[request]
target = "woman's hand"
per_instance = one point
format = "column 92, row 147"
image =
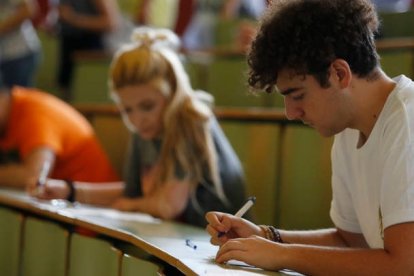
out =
column 223, row 227
column 124, row 204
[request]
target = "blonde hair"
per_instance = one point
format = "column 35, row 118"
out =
column 187, row 141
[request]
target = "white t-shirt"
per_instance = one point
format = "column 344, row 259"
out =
column 21, row 41
column 373, row 186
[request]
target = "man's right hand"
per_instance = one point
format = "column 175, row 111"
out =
column 223, row 227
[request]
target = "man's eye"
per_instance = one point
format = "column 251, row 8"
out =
column 298, row 97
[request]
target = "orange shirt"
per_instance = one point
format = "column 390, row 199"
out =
column 39, row 119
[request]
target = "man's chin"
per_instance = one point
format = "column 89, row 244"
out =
column 326, row 132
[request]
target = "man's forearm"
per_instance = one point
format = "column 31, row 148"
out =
column 325, row 237
column 318, row 260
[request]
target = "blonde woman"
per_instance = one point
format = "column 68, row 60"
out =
column 180, row 163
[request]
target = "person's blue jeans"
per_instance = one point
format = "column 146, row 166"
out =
column 19, row 71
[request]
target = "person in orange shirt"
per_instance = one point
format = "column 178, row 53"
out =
column 37, row 128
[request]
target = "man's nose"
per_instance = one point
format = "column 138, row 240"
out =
column 293, row 111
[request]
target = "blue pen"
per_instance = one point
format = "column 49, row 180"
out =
column 189, row 243
column 249, row 203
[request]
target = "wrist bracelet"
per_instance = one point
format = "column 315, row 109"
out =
column 271, row 233
column 276, row 234
column 71, row 195
column 266, row 231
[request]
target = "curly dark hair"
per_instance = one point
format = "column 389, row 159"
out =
column 307, row 35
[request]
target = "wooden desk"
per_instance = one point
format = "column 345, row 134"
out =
column 251, row 114
column 163, row 239
column 398, row 43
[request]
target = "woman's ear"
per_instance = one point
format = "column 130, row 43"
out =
column 341, row 73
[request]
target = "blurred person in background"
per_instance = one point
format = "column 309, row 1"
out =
column 20, row 48
column 180, row 164
column 392, row 5
column 41, row 132
column 82, row 26
column 201, row 32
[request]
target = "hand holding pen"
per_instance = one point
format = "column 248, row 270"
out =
column 223, row 227
column 41, row 181
column 243, row 210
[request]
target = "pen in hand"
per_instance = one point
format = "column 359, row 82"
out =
column 249, row 203
column 41, row 181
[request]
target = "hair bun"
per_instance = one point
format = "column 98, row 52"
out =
column 155, row 38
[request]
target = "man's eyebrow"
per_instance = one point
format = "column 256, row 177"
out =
column 288, row 91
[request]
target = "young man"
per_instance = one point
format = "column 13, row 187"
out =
column 320, row 55
column 36, row 128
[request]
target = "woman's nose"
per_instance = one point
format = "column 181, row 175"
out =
column 135, row 119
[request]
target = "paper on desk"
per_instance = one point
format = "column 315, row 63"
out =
column 201, row 258
column 87, row 210
column 243, row 264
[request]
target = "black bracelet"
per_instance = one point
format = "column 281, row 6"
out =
column 71, row 195
column 276, row 234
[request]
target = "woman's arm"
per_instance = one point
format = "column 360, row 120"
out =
column 98, row 194
column 167, row 201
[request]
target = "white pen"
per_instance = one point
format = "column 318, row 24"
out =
column 249, row 203
column 43, row 176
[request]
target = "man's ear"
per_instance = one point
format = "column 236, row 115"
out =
column 341, row 73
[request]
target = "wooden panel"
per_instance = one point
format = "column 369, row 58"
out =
column 305, row 190
column 46, row 75
column 10, row 233
column 93, row 257
column 90, row 82
column 257, row 149
column 132, row 266
column 114, row 138
column 226, row 80
column 398, row 62
column 395, row 24
column 45, row 246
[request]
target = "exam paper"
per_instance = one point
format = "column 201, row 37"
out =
column 82, row 210
column 243, row 264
